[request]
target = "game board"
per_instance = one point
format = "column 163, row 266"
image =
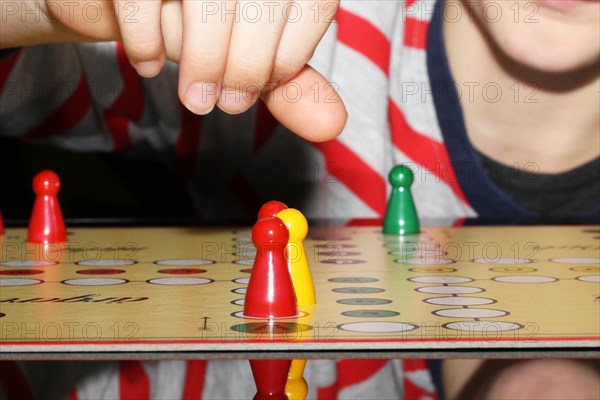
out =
column 182, row 289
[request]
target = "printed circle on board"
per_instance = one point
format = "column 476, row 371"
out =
column 106, row 263
column 21, row 272
column 589, row 278
column 246, row 271
column 244, row 247
column 424, row 261
column 238, row 302
column 577, row 260
column 28, row 263
column 244, row 262
column 513, row 270
column 459, row 301
column 404, row 246
column 182, row 271
column 100, row 271
column 334, row 246
column 585, row 269
column 483, row 326
column 524, row 279
column 339, row 253
column 19, row 282
column 243, row 239
column 289, row 329
column 420, row 253
column 443, row 280
column 503, row 261
column 342, row 261
column 377, row 327
column 243, row 281
column 251, row 253
column 2, row 315
column 449, row 289
column 433, row 269
column 370, row 313
column 470, row 313
column 184, row 262
column 241, row 290
column 95, row 282
column 358, row 290
column 364, row 301
column 179, row 281
column 353, row 280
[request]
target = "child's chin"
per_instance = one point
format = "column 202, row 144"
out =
column 547, row 51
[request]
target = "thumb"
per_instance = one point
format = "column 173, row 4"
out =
column 309, row 106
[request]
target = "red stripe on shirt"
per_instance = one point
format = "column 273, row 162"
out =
column 6, row 66
column 73, row 394
column 348, row 168
column 415, row 33
column 194, row 379
column 128, row 107
column 134, row 382
column 186, row 146
column 13, row 381
column 364, row 37
column 351, row 372
column 65, row 117
column 413, row 389
column 265, row 126
column 428, row 153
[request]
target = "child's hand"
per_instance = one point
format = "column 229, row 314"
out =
column 231, row 52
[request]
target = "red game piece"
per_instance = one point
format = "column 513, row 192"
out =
column 46, row 224
column 271, row 209
column 270, row 292
column 270, row 377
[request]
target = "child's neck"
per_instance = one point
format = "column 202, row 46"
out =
column 516, row 115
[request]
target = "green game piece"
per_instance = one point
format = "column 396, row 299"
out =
column 401, row 215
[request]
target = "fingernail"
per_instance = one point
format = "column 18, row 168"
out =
column 235, row 101
column 201, row 97
column 148, row 69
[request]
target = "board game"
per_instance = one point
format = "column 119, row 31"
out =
column 182, row 289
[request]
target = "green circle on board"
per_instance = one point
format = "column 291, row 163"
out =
column 364, row 301
column 370, row 313
column 358, row 290
column 353, row 280
column 271, row 328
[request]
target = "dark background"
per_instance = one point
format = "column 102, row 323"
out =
column 93, row 185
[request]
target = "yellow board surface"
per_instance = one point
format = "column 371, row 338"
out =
column 182, row 289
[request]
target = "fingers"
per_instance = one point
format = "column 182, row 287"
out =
column 309, row 106
column 253, row 45
column 206, row 34
column 139, row 23
column 306, row 23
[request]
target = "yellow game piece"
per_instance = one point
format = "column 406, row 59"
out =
column 296, row 387
column 297, row 262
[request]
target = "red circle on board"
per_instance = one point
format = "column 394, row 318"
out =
column 246, row 271
column 21, row 272
column 100, row 271
column 182, row 271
